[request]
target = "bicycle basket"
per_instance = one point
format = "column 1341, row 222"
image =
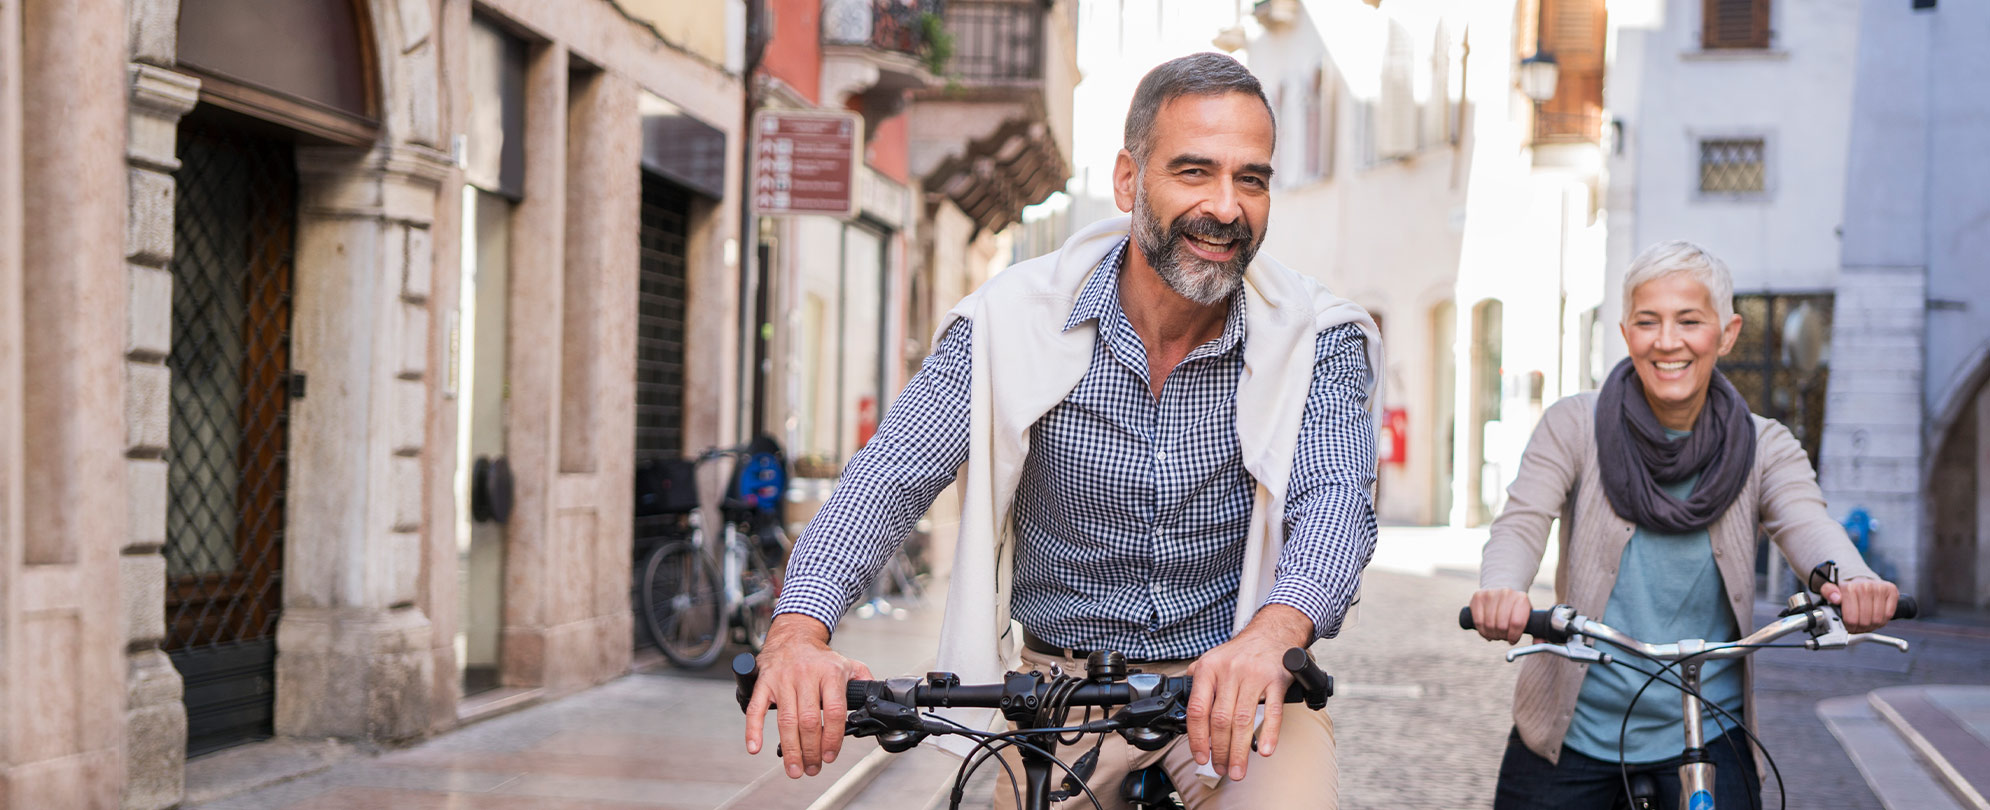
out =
column 666, row 487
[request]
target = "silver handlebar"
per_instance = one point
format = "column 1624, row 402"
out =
column 1819, row 619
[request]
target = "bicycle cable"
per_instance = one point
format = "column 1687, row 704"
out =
column 987, row 739
column 1623, row 728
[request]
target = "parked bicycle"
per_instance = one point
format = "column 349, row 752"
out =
column 1561, row 631
column 1153, row 709
column 696, row 598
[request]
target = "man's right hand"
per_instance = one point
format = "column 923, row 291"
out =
column 1500, row 614
column 804, row 680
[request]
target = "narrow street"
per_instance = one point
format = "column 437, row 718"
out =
column 1420, row 714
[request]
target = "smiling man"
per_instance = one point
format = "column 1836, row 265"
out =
column 1167, row 451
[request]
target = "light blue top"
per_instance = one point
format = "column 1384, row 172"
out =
column 1667, row 589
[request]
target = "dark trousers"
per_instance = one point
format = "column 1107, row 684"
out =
column 1529, row 782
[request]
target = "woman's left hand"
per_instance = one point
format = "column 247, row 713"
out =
column 1865, row 604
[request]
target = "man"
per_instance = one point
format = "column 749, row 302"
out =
column 1168, row 453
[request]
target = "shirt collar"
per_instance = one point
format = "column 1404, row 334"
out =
column 1099, row 301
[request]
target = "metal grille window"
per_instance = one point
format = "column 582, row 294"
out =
column 1731, row 166
column 235, row 217
column 1734, row 24
column 1782, row 362
column 996, row 40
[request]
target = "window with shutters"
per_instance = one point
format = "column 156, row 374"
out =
column 1573, row 31
column 1732, row 166
column 1735, row 24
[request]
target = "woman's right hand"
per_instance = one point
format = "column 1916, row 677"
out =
column 803, row 679
column 1500, row 614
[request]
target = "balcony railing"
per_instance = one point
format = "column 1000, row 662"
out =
column 1565, row 127
column 996, row 41
column 890, row 25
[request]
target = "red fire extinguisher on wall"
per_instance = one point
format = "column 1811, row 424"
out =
column 1392, row 437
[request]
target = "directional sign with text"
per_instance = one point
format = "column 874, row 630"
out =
column 805, row 162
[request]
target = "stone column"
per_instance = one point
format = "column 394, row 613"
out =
column 155, row 716
column 62, row 465
column 353, row 650
column 570, row 435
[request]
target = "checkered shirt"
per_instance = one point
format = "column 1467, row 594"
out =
column 1132, row 512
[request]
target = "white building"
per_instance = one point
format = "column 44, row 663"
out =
column 1411, row 180
column 1732, row 132
column 1908, row 430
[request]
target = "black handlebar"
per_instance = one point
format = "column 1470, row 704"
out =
column 1540, row 624
column 1310, row 685
column 1906, row 608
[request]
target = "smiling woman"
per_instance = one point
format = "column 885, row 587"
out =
column 1662, row 480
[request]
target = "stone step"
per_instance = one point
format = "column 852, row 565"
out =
column 1949, row 727
column 1899, row 778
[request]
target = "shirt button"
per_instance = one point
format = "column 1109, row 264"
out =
column 1161, row 455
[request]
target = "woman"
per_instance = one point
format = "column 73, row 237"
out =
column 1662, row 480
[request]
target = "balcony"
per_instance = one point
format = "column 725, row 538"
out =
column 879, row 47
column 997, row 136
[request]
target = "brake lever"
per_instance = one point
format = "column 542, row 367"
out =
column 1574, row 650
column 1876, row 638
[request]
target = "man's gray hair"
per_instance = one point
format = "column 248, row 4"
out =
column 1202, row 74
column 1680, row 256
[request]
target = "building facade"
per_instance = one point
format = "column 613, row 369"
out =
column 354, row 265
column 1417, row 179
column 1824, row 151
column 1907, row 436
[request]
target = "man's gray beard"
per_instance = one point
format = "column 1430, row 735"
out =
column 1190, row 276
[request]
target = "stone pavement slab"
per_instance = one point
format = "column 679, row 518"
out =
column 661, row 738
column 1897, row 777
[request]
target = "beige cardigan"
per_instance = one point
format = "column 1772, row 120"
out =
column 1558, row 479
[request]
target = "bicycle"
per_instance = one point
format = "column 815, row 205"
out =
column 1560, row 631
column 1153, row 711
column 694, row 600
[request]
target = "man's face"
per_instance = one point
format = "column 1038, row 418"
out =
column 1202, row 198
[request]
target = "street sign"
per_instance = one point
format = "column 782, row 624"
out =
column 805, row 162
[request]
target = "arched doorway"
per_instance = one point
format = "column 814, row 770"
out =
column 1482, row 495
column 264, row 91
column 1957, row 491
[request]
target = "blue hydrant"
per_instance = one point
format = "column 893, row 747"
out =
column 1860, row 526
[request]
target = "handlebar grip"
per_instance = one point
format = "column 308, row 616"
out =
column 1540, row 624
column 854, row 692
column 1315, row 682
column 1907, row 608
column 1465, row 619
column 745, row 673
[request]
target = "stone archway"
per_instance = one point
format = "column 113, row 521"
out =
column 353, row 545
column 1959, row 493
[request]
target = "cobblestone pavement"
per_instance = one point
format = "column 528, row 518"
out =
column 1422, row 708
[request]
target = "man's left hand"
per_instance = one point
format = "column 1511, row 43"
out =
column 1233, row 678
column 1865, row 604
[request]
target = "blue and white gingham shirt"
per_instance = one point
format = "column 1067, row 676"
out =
column 1132, row 511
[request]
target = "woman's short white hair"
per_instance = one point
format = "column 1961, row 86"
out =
column 1680, row 256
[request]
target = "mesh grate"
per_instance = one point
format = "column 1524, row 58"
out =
column 660, row 315
column 1731, row 166
column 1761, row 364
column 234, row 218
column 996, row 40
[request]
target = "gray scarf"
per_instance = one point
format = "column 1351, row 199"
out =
column 1635, row 455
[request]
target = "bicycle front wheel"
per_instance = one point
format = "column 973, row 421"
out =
column 761, row 585
column 683, row 605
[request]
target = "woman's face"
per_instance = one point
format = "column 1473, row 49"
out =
column 1675, row 336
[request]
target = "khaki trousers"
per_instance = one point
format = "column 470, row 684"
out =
column 1301, row 774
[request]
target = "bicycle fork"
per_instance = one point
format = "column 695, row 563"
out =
column 1696, row 768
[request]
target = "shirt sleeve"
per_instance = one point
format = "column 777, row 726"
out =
column 1329, row 511
column 886, row 487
